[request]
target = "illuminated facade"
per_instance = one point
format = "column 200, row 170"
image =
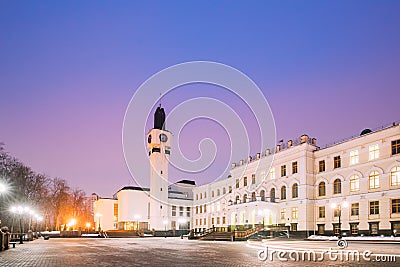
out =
column 307, row 188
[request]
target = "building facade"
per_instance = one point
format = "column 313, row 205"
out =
column 307, row 189
column 299, row 186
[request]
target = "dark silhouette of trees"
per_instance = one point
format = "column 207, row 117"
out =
column 52, row 198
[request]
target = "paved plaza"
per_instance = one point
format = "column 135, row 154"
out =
column 169, row 252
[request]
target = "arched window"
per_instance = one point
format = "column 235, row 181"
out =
column 337, row 186
column 253, row 196
column 395, row 176
column 262, row 195
column 212, row 193
column 295, row 191
column 224, row 190
column 237, row 200
column 373, row 180
column 354, row 183
column 272, row 195
column 244, row 198
column 283, row 192
column 218, row 192
column 322, row 189
column 230, row 189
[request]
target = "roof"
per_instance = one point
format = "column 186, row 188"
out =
column 189, row 182
column 137, row 188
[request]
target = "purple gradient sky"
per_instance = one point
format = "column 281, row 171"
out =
column 68, row 70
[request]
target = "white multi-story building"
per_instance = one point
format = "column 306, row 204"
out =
column 307, row 188
column 299, row 186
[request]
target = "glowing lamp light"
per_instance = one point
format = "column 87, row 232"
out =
column 87, row 225
column 3, row 188
column 165, row 222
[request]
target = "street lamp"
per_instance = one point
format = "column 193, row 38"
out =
column 98, row 215
column 20, row 210
column 137, row 217
column 337, row 207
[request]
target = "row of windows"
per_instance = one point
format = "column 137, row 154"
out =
column 337, row 163
column 181, row 211
column 272, row 195
column 373, row 182
column 295, row 213
column 246, row 181
column 373, row 152
column 216, row 220
column 355, row 209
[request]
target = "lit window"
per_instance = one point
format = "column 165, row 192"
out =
column 321, row 212
column 355, row 208
column 283, row 170
column 295, row 190
column 337, row 186
column 253, row 179
column 283, row 192
column 321, row 166
column 396, row 205
column 336, row 162
column 321, row 189
column 245, row 181
column 295, row 211
column 283, row 213
column 272, row 195
column 354, row 183
column 354, row 157
column 373, row 180
column 173, row 210
column 373, row 207
column 354, row 228
column 396, row 147
column 373, row 152
column 294, row 167
column 395, row 176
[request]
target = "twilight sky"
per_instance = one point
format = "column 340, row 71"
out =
column 68, row 70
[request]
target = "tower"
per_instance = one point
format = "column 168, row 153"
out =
column 159, row 146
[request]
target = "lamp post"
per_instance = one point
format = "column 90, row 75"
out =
column 98, row 215
column 165, row 222
column 335, row 206
column 20, row 211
